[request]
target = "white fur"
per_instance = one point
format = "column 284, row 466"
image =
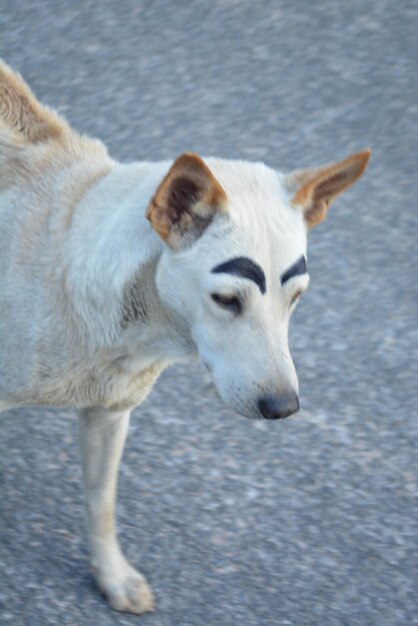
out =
column 70, row 349
column 87, row 359
column 94, row 305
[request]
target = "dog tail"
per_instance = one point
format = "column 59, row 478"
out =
column 23, row 119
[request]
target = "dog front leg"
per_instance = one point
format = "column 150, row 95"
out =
column 102, row 437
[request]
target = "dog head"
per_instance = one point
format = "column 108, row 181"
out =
column 234, row 267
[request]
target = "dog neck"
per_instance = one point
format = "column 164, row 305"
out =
column 114, row 256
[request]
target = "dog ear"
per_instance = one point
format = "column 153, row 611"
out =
column 186, row 201
column 314, row 189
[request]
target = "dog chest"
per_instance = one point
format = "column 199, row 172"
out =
column 128, row 390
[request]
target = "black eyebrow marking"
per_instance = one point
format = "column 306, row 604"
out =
column 244, row 267
column 299, row 267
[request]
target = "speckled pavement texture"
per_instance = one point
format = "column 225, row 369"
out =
column 307, row 521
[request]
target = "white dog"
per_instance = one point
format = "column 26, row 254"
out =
column 110, row 272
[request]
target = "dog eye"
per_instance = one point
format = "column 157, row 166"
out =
column 231, row 303
column 295, row 296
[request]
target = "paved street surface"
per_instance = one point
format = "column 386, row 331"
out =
column 303, row 522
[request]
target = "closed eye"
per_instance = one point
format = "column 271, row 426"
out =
column 295, row 296
column 231, row 303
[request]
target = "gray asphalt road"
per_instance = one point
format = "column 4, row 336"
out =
column 310, row 521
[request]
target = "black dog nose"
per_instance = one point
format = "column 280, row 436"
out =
column 276, row 407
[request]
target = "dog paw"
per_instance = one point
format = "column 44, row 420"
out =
column 128, row 592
